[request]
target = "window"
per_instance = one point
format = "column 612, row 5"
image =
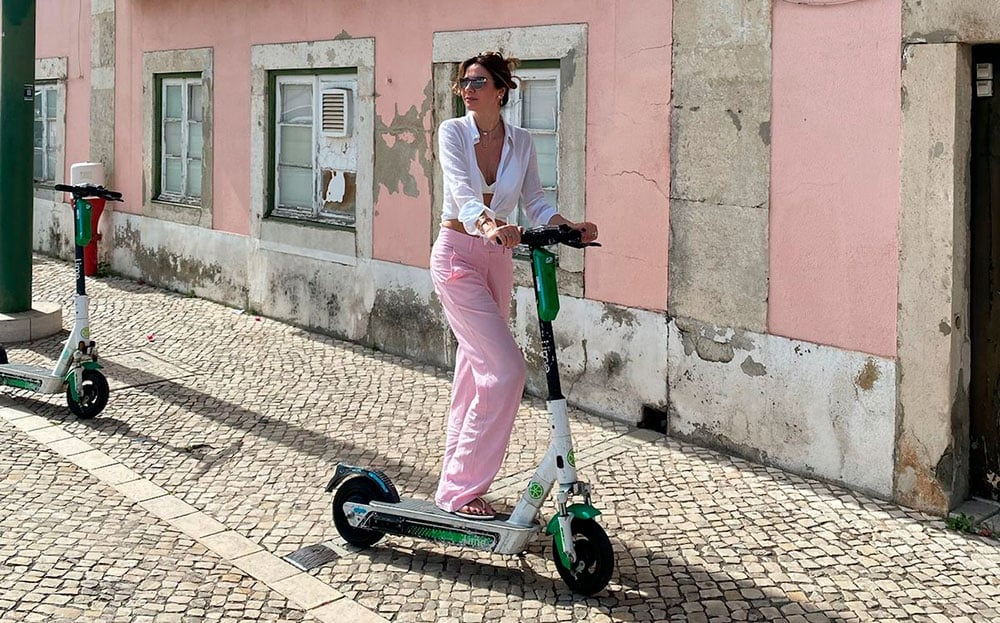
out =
column 318, row 100
column 315, row 154
column 177, row 150
column 534, row 106
column 181, row 139
column 47, row 135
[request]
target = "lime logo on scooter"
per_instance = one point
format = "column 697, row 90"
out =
column 85, row 333
column 535, row 490
column 20, row 382
column 571, row 458
column 455, row 537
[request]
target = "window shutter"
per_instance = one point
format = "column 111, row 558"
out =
column 336, row 112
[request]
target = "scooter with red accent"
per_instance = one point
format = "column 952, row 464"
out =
column 77, row 371
column 367, row 505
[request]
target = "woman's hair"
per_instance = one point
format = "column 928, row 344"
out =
column 499, row 67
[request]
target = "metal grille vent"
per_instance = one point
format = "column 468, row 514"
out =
column 312, row 556
column 336, row 112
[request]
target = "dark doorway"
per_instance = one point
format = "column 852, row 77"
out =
column 984, row 389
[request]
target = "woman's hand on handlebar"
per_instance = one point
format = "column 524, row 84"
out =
column 504, row 234
column 588, row 231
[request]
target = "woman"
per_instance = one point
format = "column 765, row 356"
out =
column 488, row 166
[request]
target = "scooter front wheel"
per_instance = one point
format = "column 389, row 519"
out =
column 357, row 490
column 595, row 558
column 93, row 395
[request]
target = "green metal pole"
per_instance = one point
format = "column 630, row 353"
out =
column 17, row 94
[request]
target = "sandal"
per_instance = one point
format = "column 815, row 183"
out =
column 478, row 508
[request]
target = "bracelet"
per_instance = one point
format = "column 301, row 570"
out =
column 481, row 222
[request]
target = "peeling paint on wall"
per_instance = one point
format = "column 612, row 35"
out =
column 402, row 141
column 915, row 485
column 621, row 316
column 867, row 376
column 712, row 343
column 752, row 368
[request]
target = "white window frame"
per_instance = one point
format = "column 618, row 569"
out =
column 44, row 91
column 513, row 113
column 186, row 84
column 319, row 83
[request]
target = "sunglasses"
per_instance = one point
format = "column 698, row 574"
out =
column 475, row 83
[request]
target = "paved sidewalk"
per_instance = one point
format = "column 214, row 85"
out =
column 208, row 467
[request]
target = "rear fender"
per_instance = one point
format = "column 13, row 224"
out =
column 345, row 471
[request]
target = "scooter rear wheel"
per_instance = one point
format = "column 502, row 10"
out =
column 595, row 558
column 358, row 490
column 93, row 393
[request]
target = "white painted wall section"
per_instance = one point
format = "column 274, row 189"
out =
column 814, row 410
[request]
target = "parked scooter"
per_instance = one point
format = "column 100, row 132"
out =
column 77, row 371
column 367, row 504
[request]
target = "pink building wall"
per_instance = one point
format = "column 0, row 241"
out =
column 835, row 181
column 627, row 130
column 66, row 33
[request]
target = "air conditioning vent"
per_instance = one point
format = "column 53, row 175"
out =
column 337, row 112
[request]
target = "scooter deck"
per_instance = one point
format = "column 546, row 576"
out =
column 34, row 378
column 423, row 519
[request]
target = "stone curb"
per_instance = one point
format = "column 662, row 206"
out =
column 317, row 599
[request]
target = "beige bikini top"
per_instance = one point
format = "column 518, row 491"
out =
column 488, row 189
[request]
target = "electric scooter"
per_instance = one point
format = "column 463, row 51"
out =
column 367, row 504
column 77, row 371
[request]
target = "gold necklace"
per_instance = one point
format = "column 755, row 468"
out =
column 485, row 134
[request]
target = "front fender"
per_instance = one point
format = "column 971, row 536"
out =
column 562, row 541
column 578, row 511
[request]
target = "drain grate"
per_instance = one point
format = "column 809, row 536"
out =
column 312, row 556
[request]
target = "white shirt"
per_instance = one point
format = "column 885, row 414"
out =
column 517, row 176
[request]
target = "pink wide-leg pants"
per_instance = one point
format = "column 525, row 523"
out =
column 474, row 280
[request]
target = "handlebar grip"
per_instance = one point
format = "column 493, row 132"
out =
column 89, row 190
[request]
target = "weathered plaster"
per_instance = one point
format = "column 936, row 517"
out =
column 951, row 21
column 183, row 258
column 717, row 257
column 53, row 225
column 406, row 316
column 611, row 359
column 932, row 445
column 102, row 92
column 720, row 161
column 810, row 409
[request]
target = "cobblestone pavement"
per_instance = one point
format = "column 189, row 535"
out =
column 209, row 465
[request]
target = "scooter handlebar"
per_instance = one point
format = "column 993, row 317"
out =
column 559, row 234
column 90, row 190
